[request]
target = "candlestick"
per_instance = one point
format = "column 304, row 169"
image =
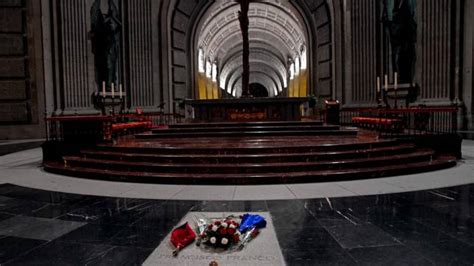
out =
column 113, row 91
column 120, row 91
column 378, row 84
column 386, row 82
column 395, row 80
column 103, row 89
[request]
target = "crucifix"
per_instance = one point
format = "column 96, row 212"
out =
column 244, row 27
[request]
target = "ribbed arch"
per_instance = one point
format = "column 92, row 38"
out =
column 275, row 34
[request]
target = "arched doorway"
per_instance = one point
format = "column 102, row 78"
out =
column 258, row 90
column 278, row 50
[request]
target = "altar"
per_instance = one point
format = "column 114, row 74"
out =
column 245, row 109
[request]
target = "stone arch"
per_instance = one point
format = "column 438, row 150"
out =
column 319, row 16
column 186, row 18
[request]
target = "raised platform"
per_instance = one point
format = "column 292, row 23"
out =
column 246, row 109
column 250, row 153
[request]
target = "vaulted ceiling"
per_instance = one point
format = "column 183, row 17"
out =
column 275, row 35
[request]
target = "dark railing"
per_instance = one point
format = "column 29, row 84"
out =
column 164, row 119
column 82, row 127
column 411, row 121
column 100, row 127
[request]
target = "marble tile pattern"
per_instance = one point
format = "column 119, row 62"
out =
column 429, row 227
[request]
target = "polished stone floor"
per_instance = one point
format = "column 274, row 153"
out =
column 39, row 227
column 47, row 219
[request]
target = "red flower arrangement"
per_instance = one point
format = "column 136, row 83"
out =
column 221, row 233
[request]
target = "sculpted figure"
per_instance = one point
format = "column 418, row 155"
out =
column 105, row 38
column 400, row 22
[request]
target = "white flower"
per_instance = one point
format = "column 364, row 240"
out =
column 224, row 241
column 224, row 225
column 214, row 228
column 213, row 240
column 232, row 226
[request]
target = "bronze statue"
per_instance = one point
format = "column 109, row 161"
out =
column 399, row 20
column 105, row 38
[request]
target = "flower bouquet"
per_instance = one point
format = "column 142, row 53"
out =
column 221, row 233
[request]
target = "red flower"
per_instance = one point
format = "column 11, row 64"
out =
column 209, row 227
column 223, row 231
column 217, row 223
column 236, row 238
column 231, row 231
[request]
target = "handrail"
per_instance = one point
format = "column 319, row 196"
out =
column 415, row 120
column 59, row 126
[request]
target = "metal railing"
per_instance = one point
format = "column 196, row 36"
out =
column 164, row 119
column 99, row 127
column 412, row 121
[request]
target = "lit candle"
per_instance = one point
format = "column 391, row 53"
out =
column 113, row 90
column 386, row 82
column 395, row 81
column 103, row 89
column 378, row 84
column 121, row 91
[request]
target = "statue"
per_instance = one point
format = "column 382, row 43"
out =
column 105, row 38
column 399, row 20
column 244, row 27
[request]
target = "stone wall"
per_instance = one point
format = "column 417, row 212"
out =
column 21, row 97
column 439, row 44
column 46, row 57
column 70, row 77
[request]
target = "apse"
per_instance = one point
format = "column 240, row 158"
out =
column 277, row 41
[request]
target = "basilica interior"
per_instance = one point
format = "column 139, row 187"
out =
column 236, row 132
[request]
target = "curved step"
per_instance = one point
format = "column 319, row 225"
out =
column 242, row 129
column 250, row 158
column 264, row 178
column 224, row 148
column 239, row 124
column 238, row 133
column 232, row 168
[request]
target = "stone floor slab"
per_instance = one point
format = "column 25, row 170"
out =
column 37, row 228
column 264, row 250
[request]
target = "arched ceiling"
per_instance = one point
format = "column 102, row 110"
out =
column 275, row 34
column 256, row 67
column 257, row 77
column 256, row 56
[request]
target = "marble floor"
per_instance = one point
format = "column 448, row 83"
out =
column 424, row 219
column 39, row 227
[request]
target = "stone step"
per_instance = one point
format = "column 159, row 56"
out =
column 238, row 133
column 257, row 156
column 243, row 146
column 199, row 129
column 252, row 178
column 234, row 168
column 248, row 124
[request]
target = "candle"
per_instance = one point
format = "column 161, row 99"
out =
column 386, row 82
column 103, row 89
column 378, row 84
column 113, row 90
column 395, row 81
column 121, row 91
